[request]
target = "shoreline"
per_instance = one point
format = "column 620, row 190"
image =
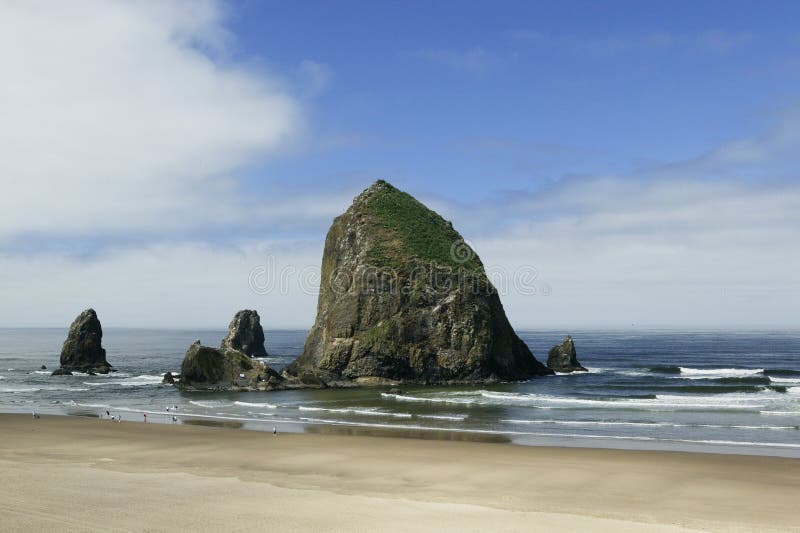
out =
column 527, row 439
column 502, row 487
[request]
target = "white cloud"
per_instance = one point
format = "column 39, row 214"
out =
column 665, row 252
column 116, row 116
column 186, row 284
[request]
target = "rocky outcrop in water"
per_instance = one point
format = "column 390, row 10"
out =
column 83, row 350
column 207, row 368
column 168, row 379
column 563, row 357
column 404, row 299
column 245, row 334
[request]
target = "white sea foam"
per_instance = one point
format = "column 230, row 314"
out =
column 780, row 413
column 782, row 381
column 407, row 398
column 643, row 424
column 636, row 373
column 457, row 418
column 248, row 404
column 556, row 435
column 138, row 381
column 742, row 401
column 42, row 388
column 43, row 372
column 716, row 373
column 211, row 404
column 355, row 411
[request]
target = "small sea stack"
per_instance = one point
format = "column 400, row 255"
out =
column 563, row 358
column 245, row 334
column 83, row 350
column 207, row 368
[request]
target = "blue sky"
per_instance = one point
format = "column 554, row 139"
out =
column 438, row 94
column 641, row 156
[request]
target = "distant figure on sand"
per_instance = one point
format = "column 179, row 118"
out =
column 274, row 430
column 174, row 419
column 145, row 418
column 34, row 414
column 108, row 414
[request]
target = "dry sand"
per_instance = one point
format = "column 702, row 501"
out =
column 81, row 474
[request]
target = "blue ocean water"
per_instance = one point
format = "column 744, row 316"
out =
column 725, row 392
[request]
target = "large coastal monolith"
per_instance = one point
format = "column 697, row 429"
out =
column 404, row 298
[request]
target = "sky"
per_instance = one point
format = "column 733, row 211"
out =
column 615, row 165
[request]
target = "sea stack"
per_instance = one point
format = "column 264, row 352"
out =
column 563, row 358
column 404, row 298
column 83, row 350
column 245, row 334
column 207, row 368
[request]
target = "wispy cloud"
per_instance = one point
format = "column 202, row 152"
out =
column 713, row 40
column 475, row 60
column 315, row 76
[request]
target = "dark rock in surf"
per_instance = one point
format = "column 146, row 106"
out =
column 168, row 378
column 563, row 357
column 245, row 334
column 83, row 350
column 207, row 368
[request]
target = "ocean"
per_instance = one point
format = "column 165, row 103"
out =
column 711, row 391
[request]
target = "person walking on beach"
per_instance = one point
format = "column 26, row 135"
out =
column 274, row 431
column 34, row 413
column 145, row 418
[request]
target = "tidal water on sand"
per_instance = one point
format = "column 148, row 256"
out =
column 698, row 391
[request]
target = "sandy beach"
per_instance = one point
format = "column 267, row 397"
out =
column 84, row 474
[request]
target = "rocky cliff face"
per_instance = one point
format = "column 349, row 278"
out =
column 83, row 350
column 207, row 368
column 404, row 298
column 564, row 358
column 245, row 334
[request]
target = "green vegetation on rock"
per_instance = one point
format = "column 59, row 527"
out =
column 409, row 229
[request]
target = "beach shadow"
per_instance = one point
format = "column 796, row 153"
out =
column 213, row 423
column 407, row 434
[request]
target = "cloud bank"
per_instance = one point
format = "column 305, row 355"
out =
column 125, row 116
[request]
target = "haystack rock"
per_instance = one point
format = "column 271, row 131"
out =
column 563, row 358
column 404, row 298
column 83, row 350
column 207, row 368
column 245, row 334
